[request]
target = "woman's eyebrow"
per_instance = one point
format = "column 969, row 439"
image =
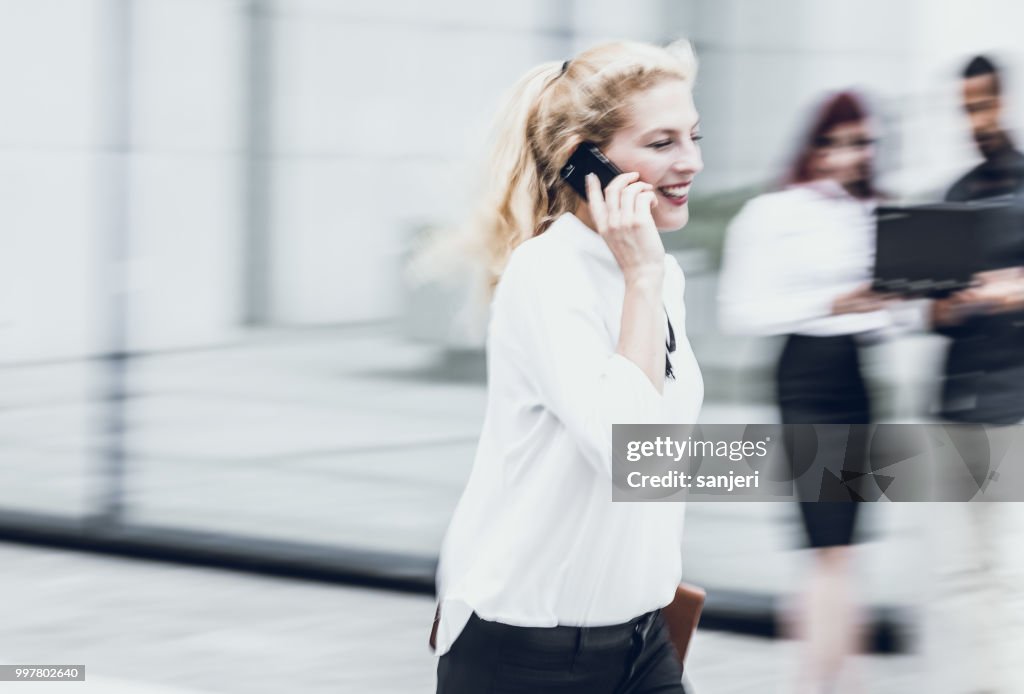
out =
column 660, row 131
column 668, row 131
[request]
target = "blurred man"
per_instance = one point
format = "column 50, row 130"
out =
column 980, row 605
column 984, row 374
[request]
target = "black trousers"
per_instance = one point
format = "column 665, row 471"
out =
column 493, row 658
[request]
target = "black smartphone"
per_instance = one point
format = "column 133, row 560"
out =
column 585, row 160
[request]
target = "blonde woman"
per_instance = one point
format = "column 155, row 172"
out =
column 543, row 582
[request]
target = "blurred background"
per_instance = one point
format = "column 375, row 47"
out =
column 210, row 352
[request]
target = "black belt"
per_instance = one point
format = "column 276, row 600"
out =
column 571, row 637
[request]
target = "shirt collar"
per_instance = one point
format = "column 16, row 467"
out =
column 579, row 234
column 1007, row 161
column 572, row 228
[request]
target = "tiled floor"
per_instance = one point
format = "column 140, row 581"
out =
column 149, row 628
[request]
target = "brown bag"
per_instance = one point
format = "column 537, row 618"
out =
column 681, row 617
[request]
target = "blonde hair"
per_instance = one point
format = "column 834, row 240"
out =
column 551, row 110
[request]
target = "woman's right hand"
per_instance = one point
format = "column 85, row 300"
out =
column 862, row 300
column 622, row 214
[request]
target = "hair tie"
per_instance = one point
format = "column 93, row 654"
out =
column 565, row 66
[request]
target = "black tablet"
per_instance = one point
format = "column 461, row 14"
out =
column 933, row 250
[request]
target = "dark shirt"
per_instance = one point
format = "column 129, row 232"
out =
column 984, row 371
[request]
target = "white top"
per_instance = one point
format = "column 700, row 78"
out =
column 535, row 539
column 790, row 254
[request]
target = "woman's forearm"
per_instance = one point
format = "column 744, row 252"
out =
column 642, row 330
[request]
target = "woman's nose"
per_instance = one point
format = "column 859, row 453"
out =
column 690, row 162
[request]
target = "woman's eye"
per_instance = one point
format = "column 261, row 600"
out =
column 696, row 137
column 661, row 144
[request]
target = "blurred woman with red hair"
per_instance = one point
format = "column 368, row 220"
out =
column 797, row 264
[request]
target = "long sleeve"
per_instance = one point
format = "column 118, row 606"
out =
column 763, row 291
column 571, row 358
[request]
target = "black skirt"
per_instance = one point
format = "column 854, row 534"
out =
column 819, row 381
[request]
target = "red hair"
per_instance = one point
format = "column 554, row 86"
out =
column 837, row 109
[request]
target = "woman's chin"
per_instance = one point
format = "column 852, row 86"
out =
column 672, row 220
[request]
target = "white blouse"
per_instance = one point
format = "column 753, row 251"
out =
column 535, row 539
column 790, row 254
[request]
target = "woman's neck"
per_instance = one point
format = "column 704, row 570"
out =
column 582, row 213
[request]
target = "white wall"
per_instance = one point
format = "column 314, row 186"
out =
column 186, row 172
column 47, row 161
column 379, row 114
column 55, row 164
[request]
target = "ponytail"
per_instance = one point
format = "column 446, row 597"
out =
column 516, row 199
column 511, row 201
